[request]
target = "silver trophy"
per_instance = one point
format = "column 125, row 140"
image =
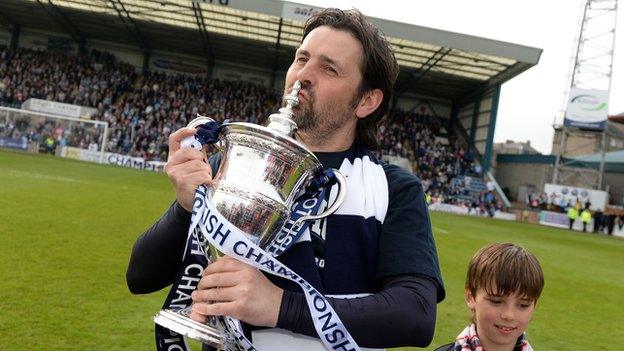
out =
column 263, row 171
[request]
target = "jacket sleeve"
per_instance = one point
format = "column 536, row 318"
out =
column 402, row 314
column 157, row 254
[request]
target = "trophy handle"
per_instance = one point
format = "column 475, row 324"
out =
column 191, row 141
column 341, row 180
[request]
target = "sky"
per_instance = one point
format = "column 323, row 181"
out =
column 529, row 102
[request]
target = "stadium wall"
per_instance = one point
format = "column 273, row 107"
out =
column 187, row 64
column 515, row 176
column 159, row 61
column 246, row 73
column 427, row 105
column 476, row 121
column 515, row 172
column 480, row 133
column 123, row 53
column 5, row 37
column 36, row 39
column 587, row 143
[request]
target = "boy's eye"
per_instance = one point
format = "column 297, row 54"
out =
column 495, row 301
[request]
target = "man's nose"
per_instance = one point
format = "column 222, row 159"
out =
column 306, row 74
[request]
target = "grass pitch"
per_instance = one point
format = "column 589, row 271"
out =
column 67, row 228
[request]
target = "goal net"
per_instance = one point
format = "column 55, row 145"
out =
column 58, row 135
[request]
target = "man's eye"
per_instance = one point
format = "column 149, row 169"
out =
column 302, row 59
column 330, row 69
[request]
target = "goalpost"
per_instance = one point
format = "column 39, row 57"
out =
column 35, row 131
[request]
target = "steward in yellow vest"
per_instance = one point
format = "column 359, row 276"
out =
column 572, row 215
column 586, row 217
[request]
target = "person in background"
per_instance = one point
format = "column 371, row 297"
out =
column 503, row 284
column 609, row 222
column 598, row 216
column 586, row 217
column 572, row 215
column 578, row 205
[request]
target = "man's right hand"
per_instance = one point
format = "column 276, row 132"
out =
column 186, row 168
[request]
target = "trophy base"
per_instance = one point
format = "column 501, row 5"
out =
column 183, row 325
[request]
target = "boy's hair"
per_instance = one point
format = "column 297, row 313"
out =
column 505, row 269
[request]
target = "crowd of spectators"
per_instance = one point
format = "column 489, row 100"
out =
column 443, row 166
column 142, row 109
column 87, row 81
column 554, row 202
column 605, row 220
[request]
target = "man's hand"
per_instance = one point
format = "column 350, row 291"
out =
column 234, row 288
column 186, row 168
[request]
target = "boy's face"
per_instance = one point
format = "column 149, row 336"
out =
column 500, row 320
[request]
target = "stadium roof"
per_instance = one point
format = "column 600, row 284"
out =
column 610, row 157
column 617, row 118
column 265, row 33
column 614, row 160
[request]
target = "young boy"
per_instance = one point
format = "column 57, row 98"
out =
column 503, row 284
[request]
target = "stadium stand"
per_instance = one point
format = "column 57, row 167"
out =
column 142, row 109
column 457, row 77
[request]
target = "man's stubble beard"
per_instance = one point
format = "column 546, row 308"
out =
column 322, row 122
column 304, row 117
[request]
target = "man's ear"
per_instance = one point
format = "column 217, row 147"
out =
column 470, row 299
column 369, row 103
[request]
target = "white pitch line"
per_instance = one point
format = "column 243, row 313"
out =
column 440, row 230
column 36, row 175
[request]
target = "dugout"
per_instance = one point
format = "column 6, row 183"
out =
column 453, row 76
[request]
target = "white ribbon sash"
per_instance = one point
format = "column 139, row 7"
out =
column 225, row 237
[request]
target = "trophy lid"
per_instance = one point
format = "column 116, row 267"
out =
column 282, row 121
column 281, row 127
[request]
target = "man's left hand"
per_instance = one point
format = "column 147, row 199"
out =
column 230, row 287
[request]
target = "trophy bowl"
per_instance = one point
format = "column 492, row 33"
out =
column 261, row 175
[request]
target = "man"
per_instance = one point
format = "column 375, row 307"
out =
column 586, row 217
column 376, row 255
column 598, row 221
column 572, row 215
column 609, row 221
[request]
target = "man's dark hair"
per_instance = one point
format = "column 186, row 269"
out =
column 379, row 66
